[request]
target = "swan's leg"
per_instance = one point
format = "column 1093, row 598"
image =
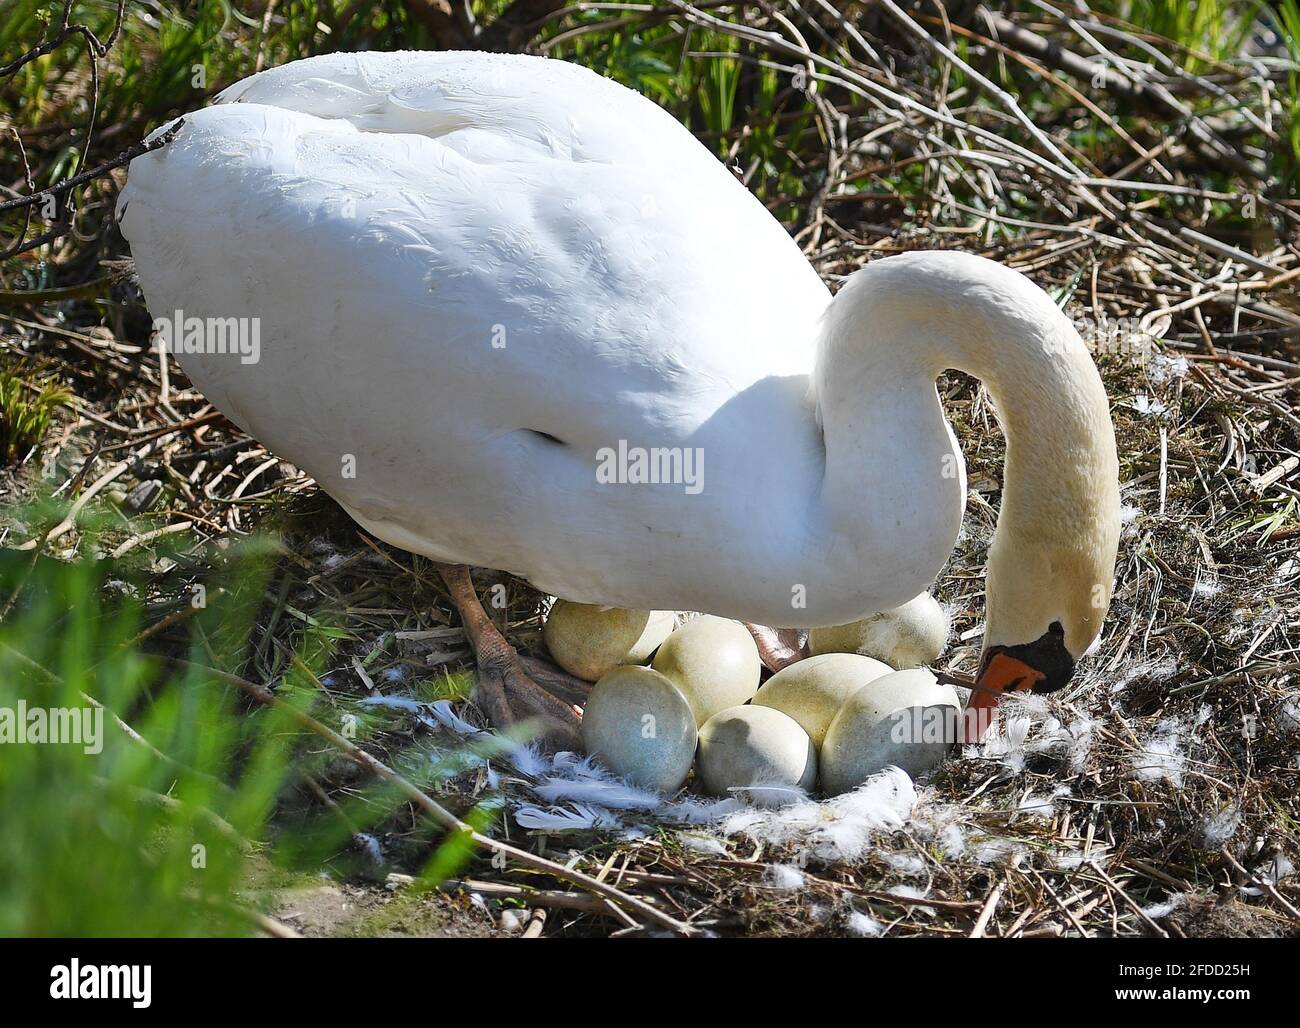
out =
column 779, row 647
column 557, row 682
column 505, row 688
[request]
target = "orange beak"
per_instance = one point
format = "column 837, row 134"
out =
column 1001, row 674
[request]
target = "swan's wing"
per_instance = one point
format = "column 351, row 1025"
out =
column 472, row 101
column 448, row 254
column 493, row 193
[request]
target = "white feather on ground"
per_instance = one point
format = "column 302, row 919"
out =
column 1162, row 368
column 370, row 847
column 403, row 703
column 911, row 892
column 448, row 718
column 529, row 760
column 1166, row 907
column 837, row 829
column 1273, row 871
column 1161, row 756
column 999, row 852
column 1288, row 714
column 1043, row 806
column 1006, row 741
column 587, row 788
column 863, row 926
column 1071, row 743
column 909, row 865
column 1220, row 828
column 952, row 840
column 769, row 794
column 613, row 794
column 1157, row 668
column 579, row 817
column 698, row 842
column 786, row 878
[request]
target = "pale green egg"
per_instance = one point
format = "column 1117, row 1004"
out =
column 639, row 725
column 713, row 661
column 589, row 641
column 909, row 636
column 812, row 690
column 756, row 753
column 906, row 718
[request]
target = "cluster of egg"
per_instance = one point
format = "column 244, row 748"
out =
column 832, row 718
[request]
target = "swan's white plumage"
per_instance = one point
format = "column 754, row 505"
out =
column 389, row 216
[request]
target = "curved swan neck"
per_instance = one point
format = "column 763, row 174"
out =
column 901, row 321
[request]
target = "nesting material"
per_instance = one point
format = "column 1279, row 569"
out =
column 758, row 752
column 906, row 719
column 590, row 641
column 909, row 636
column 812, row 690
column 713, row 661
column 641, row 727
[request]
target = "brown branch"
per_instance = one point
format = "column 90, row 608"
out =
column 31, row 188
column 66, row 30
column 64, row 225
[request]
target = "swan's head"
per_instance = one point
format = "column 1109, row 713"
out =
column 1047, row 596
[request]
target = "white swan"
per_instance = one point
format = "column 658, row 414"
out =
column 476, row 277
